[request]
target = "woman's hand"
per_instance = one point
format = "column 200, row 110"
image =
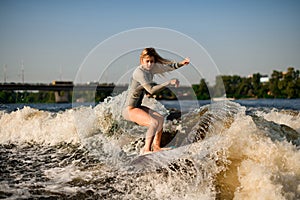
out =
column 174, row 82
column 186, row 61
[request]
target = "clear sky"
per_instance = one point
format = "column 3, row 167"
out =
column 53, row 37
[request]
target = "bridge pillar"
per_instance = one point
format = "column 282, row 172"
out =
column 61, row 96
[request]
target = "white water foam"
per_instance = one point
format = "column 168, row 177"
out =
column 289, row 118
column 236, row 160
column 240, row 162
column 32, row 125
column 71, row 126
column 261, row 168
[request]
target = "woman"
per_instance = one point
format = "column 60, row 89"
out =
column 141, row 83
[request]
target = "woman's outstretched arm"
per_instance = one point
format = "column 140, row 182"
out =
column 160, row 68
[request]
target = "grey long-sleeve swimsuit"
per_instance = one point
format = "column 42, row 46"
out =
column 142, row 81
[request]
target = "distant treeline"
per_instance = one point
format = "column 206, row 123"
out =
column 279, row 85
column 27, row 97
column 49, row 96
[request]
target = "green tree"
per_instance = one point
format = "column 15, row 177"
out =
column 232, row 84
column 256, row 84
column 201, row 90
column 274, row 85
column 7, row 97
column 244, row 89
column 289, row 83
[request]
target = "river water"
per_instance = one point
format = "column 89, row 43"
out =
column 245, row 149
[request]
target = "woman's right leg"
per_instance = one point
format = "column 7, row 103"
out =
column 159, row 130
column 142, row 117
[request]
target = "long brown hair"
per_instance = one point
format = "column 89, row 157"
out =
column 157, row 58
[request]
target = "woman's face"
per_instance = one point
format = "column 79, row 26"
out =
column 147, row 62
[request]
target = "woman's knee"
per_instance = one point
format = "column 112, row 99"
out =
column 160, row 122
column 155, row 122
column 160, row 119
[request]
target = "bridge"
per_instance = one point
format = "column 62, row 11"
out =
column 59, row 87
column 63, row 89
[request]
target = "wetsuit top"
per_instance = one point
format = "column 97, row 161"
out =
column 142, row 82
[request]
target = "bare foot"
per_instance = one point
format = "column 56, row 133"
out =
column 144, row 152
column 161, row 149
column 147, row 152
